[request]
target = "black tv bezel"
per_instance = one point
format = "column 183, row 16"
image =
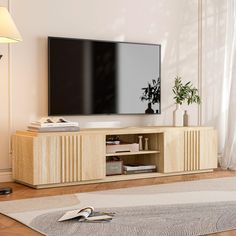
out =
column 107, row 41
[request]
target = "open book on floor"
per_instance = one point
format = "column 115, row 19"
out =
column 87, row 214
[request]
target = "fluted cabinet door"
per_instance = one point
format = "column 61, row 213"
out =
column 57, row 159
column 46, row 159
column 208, row 149
column 93, row 156
column 190, row 149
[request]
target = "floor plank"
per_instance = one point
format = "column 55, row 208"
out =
column 11, row 227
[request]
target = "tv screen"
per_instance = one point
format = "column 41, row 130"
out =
column 101, row 77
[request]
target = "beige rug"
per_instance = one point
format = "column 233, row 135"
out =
column 213, row 193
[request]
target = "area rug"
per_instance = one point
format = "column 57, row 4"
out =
column 184, row 208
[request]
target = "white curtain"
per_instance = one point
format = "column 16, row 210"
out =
column 227, row 121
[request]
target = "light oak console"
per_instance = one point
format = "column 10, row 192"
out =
column 70, row 158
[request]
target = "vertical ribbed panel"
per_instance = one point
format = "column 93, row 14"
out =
column 191, row 150
column 70, row 161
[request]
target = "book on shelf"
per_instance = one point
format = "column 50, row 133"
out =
column 136, row 167
column 87, row 214
column 53, row 129
column 127, row 172
column 116, row 142
column 46, row 122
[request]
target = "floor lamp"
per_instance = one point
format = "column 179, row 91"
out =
column 8, row 34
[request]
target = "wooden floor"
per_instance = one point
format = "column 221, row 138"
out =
column 10, row 227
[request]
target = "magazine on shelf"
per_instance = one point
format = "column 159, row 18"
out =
column 46, row 122
column 87, row 214
column 136, row 167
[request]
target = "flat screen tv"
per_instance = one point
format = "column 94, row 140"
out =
column 100, row 77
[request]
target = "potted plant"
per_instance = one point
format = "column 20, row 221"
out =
column 151, row 94
column 183, row 93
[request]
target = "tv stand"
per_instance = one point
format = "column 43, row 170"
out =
column 70, row 158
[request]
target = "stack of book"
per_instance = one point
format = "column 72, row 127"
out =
column 137, row 168
column 55, row 124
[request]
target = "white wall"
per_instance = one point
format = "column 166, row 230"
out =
column 172, row 23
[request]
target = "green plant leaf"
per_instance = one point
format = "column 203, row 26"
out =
column 185, row 93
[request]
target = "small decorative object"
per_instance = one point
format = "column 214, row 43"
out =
column 149, row 110
column 183, row 93
column 114, row 166
column 140, row 143
column 146, row 144
column 113, row 139
column 151, row 94
column 185, row 118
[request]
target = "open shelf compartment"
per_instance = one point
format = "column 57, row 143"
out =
column 152, row 156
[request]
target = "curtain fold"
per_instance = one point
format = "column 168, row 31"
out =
column 227, row 124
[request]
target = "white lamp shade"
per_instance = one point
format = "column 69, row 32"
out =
column 8, row 31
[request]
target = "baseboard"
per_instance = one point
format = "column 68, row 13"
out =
column 6, row 176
